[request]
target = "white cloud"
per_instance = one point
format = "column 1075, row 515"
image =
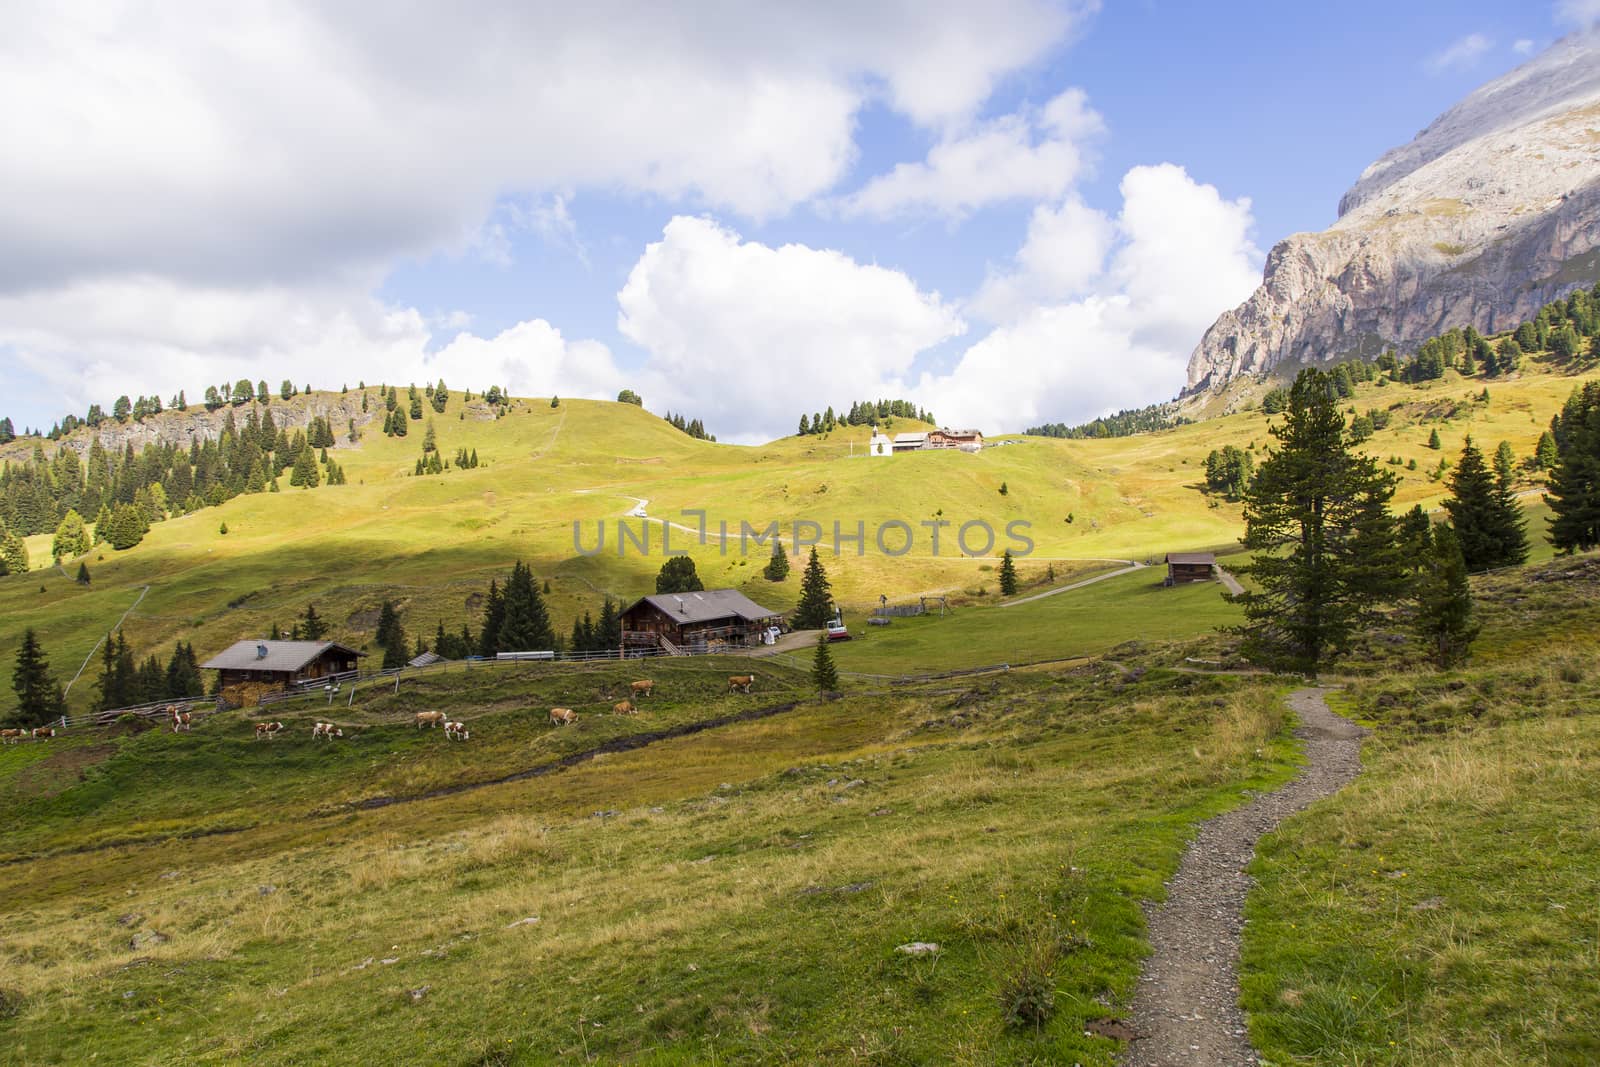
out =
column 1459, row 54
column 744, row 335
column 1181, row 255
column 1522, row 47
column 1064, row 252
column 1580, row 13
column 1015, row 157
column 96, row 340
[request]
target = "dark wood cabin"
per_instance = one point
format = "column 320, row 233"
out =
column 703, row 621
column 1190, row 566
column 282, row 663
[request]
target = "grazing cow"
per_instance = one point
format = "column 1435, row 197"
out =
column 325, row 731
column 624, row 708
column 179, row 718
column 562, row 716
column 429, row 718
column 269, row 730
column 42, row 732
column 644, row 688
column 10, row 737
column 456, row 731
column 740, row 682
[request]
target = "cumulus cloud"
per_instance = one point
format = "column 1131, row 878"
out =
column 1459, row 54
column 744, row 335
column 1522, row 47
column 265, row 167
column 96, row 340
column 1014, row 157
column 1179, row 255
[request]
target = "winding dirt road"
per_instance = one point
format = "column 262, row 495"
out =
column 1186, row 1010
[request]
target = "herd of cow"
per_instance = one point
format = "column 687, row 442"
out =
column 181, row 720
column 38, row 733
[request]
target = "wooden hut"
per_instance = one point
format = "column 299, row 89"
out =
column 1190, row 566
column 281, row 663
column 709, row 619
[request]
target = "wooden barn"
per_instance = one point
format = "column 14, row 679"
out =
column 966, row 440
column 1190, row 566
column 282, row 663
column 707, row 620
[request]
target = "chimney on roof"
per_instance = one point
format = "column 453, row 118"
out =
column 261, row 652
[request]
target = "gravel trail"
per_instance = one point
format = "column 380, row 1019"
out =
column 1186, row 1010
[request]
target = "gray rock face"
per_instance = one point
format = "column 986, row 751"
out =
column 1490, row 213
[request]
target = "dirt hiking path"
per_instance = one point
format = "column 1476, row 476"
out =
column 1186, row 1010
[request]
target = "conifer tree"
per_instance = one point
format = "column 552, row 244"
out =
column 83, row 574
column 824, row 675
column 526, row 624
column 777, row 568
column 312, row 628
column 1444, row 618
column 815, row 609
column 1008, row 575
column 39, row 695
column 391, row 637
column 1434, row 442
column 430, row 440
column 494, row 613
column 1316, row 515
column 1544, row 454
column 1574, row 494
column 183, row 673
column 1488, row 522
column 13, row 555
column 608, row 629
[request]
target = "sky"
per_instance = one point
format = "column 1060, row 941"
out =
column 1011, row 213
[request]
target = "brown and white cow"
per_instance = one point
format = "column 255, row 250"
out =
column 740, row 682
column 10, row 737
column 42, row 732
column 624, row 708
column 562, row 716
column 179, row 718
column 456, row 731
column 269, row 730
column 429, row 718
column 643, row 688
column 325, row 731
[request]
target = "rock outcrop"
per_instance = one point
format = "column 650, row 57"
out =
column 1490, row 213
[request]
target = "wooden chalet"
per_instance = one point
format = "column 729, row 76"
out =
column 967, row 440
column 697, row 622
column 1190, row 566
column 282, row 663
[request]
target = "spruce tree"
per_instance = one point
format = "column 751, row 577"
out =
column 526, row 625
column 72, row 538
column 1008, row 575
column 608, row 630
column 1574, row 493
column 1434, row 442
column 83, row 574
column 777, row 568
column 678, row 575
column 824, row 675
column 1317, row 519
column 390, row 636
column 1544, row 455
column 13, row 555
column 815, row 609
column 494, row 613
column 39, row 696
column 1484, row 512
column 1444, row 619
column 312, row 628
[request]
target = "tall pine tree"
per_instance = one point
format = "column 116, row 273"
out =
column 824, row 675
column 1444, row 619
column 816, row 598
column 1574, row 494
column 1484, row 512
column 1008, row 575
column 777, row 568
column 526, row 625
column 1326, row 553
column 39, row 696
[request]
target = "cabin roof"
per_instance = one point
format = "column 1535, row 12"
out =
column 1207, row 558
column 705, row 605
column 284, row 656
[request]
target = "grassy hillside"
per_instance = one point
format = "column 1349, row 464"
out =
column 736, row 895
column 433, row 543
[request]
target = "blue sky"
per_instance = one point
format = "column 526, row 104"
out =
column 715, row 218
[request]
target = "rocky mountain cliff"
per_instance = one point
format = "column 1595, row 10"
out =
column 1491, row 212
